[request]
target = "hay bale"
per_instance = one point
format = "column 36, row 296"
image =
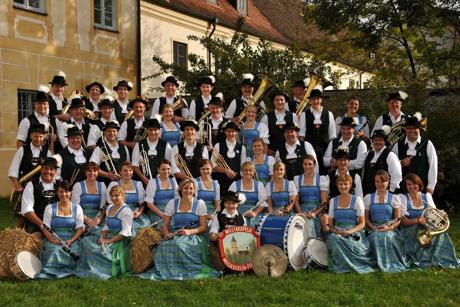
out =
column 141, row 255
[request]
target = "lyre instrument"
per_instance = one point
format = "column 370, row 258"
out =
column 15, row 197
column 182, row 165
column 145, row 163
column 265, row 84
column 437, row 222
column 106, row 157
column 314, row 78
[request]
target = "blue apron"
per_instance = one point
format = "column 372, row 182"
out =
column 208, row 196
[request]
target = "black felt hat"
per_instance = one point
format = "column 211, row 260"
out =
column 151, row 123
column 215, row 100
column 291, row 126
column 299, row 83
column 230, row 125
column 41, row 97
column 111, row 125
column 124, row 83
column 59, row 79
column 76, row 102
column 51, row 162
column 73, row 130
column 207, row 80
column 349, row 122
column 278, row 93
column 401, row 96
column 231, row 196
column 105, row 103
column 189, row 123
column 136, row 100
column 170, row 79
column 342, row 153
column 40, row 128
column 315, row 93
column 99, row 85
column 248, row 79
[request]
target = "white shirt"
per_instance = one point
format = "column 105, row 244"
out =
column 230, row 153
column 359, row 207
column 192, row 108
column 62, row 130
column 404, row 207
column 200, row 210
column 97, row 153
column 95, row 104
column 126, row 217
column 291, row 154
column 215, row 225
column 17, row 159
column 59, row 101
column 140, row 191
column 77, row 192
column 95, row 133
column 379, row 121
column 48, row 216
column 394, row 167
column 395, row 201
column 123, row 104
column 27, row 203
column 188, row 153
column 323, row 182
column 124, row 128
column 317, row 114
column 152, row 151
column 169, row 100
column 79, row 158
column 261, row 192
column 24, row 125
column 356, row 163
column 280, row 118
column 152, row 189
column 291, row 188
column 357, row 181
column 432, row 159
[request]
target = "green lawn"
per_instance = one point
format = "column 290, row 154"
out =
column 432, row 287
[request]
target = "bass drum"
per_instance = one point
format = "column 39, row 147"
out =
column 316, row 254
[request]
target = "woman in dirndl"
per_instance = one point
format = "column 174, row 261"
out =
column 254, row 193
column 441, row 251
column 66, row 220
column 263, row 162
column 90, row 194
column 185, row 255
column 134, row 196
column 312, row 193
column 252, row 129
column 111, row 255
column 347, row 246
column 160, row 190
column 208, row 189
column 170, row 131
column 281, row 193
column 387, row 243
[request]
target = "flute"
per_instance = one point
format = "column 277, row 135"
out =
column 64, row 246
column 341, row 232
column 174, row 234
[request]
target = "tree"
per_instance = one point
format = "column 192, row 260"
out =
column 404, row 41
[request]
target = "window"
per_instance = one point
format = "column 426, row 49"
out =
column 31, row 5
column 180, row 54
column 242, row 7
column 105, row 15
column 25, row 105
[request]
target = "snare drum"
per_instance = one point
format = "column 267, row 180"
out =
column 316, row 254
column 26, row 266
column 290, row 233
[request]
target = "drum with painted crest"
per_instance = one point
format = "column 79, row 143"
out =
column 316, row 254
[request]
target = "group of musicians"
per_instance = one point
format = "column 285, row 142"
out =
column 100, row 170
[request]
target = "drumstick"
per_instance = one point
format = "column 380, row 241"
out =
column 64, row 246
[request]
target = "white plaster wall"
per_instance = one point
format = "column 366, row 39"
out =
column 58, row 18
column 4, row 18
column 84, row 24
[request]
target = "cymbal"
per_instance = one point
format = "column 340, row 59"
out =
column 269, row 260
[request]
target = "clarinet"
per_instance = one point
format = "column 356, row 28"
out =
column 320, row 209
column 174, row 234
column 64, row 246
column 99, row 213
column 342, row 232
column 389, row 223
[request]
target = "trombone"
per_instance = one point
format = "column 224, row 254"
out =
column 145, row 163
column 182, row 165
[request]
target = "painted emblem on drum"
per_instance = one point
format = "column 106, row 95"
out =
column 237, row 245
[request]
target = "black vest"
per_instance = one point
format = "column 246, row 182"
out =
column 218, row 134
column 240, row 105
column 28, row 162
column 192, row 162
column 199, row 107
column 292, row 104
column 386, row 119
column 333, row 190
column 163, row 102
column 154, row 160
column 276, row 135
column 116, row 162
column 53, row 106
column 43, row 198
column 34, row 121
column 369, row 171
column 318, row 137
column 227, row 222
column 69, row 165
column 131, row 129
column 119, row 112
column 99, row 124
column 294, row 165
column 419, row 164
column 85, row 129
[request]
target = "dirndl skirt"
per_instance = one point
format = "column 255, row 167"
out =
column 441, row 251
column 388, row 250
column 181, row 258
column 56, row 263
column 139, row 223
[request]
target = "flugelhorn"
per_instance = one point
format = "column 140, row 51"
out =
column 437, row 222
column 265, row 84
column 182, row 165
column 145, row 163
column 106, row 157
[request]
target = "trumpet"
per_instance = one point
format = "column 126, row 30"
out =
column 106, row 157
column 265, row 84
column 145, row 163
column 15, row 197
column 437, row 222
column 182, row 165
column 141, row 134
column 304, row 102
column 179, row 104
column 220, row 161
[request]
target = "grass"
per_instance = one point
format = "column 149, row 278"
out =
column 433, row 287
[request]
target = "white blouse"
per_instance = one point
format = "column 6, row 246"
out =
column 48, row 216
column 200, row 210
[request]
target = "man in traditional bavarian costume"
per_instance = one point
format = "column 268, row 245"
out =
column 40, row 116
column 230, row 151
column 132, row 130
column 57, row 100
column 394, row 114
column 298, row 91
column 39, row 193
column 378, row 158
column 356, row 147
column 95, row 90
column 105, row 108
column 317, row 126
column 417, row 154
column 26, row 159
column 190, row 150
column 216, row 121
column 77, row 119
column 74, row 157
column 199, row 105
column 109, row 153
column 293, row 152
column 155, row 148
column 121, row 105
column 170, row 85
column 277, row 119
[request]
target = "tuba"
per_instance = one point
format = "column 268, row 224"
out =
column 437, row 222
column 265, row 84
column 179, row 104
column 396, row 133
column 314, row 78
